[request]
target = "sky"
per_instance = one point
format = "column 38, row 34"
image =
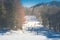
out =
column 29, row 3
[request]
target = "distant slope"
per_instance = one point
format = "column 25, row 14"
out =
column 52, row 3
column 35, row 10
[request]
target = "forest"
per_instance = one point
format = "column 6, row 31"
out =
column 11, row 14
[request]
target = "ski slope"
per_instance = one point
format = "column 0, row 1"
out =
column 32, row 30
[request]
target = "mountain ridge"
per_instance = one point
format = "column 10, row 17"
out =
column 52, row 3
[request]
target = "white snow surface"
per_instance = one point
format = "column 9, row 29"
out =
column 19, row 35
column 24, row 35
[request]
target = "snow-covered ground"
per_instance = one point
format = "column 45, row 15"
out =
column 36, row 32
column 19, row 35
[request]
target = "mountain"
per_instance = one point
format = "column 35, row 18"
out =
column 48, row 13
column 52, row 3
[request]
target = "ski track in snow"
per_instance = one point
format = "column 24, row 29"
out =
column 26, row 35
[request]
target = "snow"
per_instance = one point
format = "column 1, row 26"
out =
column 31, row 18
column 31, row 21
column 18, row 35
column 33, row 32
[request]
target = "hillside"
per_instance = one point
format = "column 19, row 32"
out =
column 48, row 13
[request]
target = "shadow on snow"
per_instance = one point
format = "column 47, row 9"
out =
column 44, row 31
column 2, row 31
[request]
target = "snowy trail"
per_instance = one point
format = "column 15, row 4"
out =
column 27, row 35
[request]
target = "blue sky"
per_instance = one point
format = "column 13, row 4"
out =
column 29, row 3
